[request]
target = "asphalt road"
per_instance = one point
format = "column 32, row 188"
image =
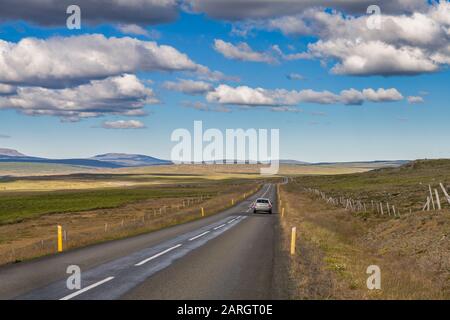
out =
column 230, row 255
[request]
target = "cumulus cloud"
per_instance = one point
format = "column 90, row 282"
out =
column 373, row 58
column 407, row 44
column 382, row 95
column 53, row 12
column 123, row 124
column 59, row 62
column 119, row 95
column 247, row 96
column 189, row 86
column 257, row 9
column 242, row 95
column 242, row 51
column 415, row 99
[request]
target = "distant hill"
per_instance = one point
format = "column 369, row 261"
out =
column 110, row 160
column 366, row 164
column 130, row 160
column 10, row 153
column 121, row 160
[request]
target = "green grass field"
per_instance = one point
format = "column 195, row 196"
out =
column 15, row 207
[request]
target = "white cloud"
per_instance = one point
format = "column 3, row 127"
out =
column 123, row 124
column 408, row 43
column 415, row 99
column 373, row 58
column 242, row 95
column 135, row 29
column 120, row 95
column 352, row 97
column 382, row 95
column 189, row 86
column 242, row 51
column 58, row 61
column 246, row 96
column 132, row 29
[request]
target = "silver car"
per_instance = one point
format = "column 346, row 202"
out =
column 262, row 205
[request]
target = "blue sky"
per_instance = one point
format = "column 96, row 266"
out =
column 310, row 130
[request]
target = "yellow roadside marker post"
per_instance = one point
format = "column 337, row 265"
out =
column 293, row 238
column 60, row 245
column 232, row 202
column 282, row 212
column 203, row 212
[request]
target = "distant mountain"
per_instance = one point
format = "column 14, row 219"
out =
column 366, row 164
column 110, row 160
column 287, row 161
column 130, row 160
column 10, row 153
column 121, row 160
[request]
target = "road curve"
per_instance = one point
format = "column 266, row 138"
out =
column 230, row 255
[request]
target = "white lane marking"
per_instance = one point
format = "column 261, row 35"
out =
column 198, row 236
column 221, row 226
column 92, row 286
column 268, row 188
column 157, row 255
column 232, row 220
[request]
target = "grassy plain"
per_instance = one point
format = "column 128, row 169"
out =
column 123, row 201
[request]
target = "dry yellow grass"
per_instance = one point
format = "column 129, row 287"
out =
column 335, row 248
column 153, row 175
column 240, row 170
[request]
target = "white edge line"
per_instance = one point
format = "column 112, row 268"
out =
column 92, row 286
column 157, row 255
column 198, row 236
column 221, row 226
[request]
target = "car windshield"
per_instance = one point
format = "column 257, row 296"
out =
column 262, row 201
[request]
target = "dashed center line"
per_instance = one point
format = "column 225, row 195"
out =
column 92, row 286
column 157, row 255
column 221, row 226
column 198, row 236
column 232, row 220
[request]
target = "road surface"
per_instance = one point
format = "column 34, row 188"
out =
column 230, row 255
